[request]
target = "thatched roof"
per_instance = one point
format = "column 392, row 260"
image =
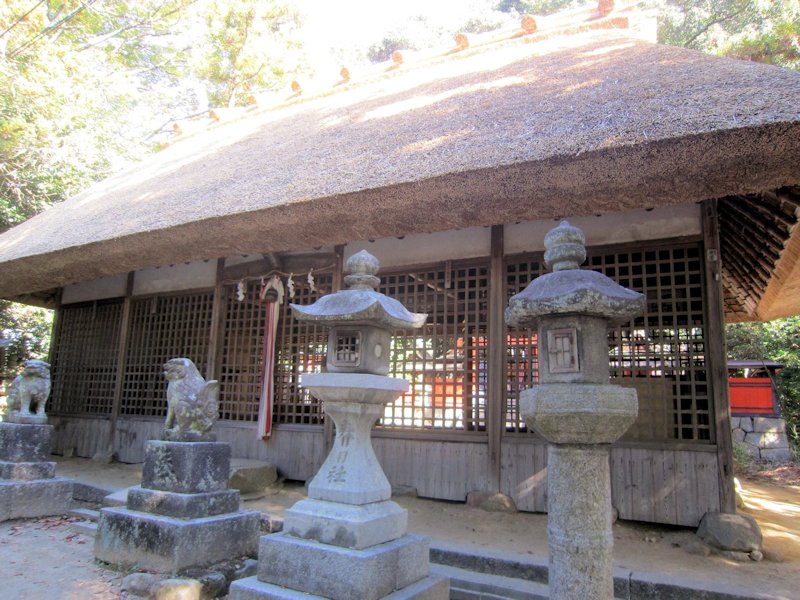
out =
column 527, row 128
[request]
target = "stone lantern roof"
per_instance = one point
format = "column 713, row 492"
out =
column 361, row 303
column 570, row 290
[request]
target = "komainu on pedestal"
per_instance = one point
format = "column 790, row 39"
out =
column 28, row 485
column 182, row 515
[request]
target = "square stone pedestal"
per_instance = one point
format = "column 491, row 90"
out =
column 164, row 544
column 290, row 567
column 182, row 515
column 28, row 485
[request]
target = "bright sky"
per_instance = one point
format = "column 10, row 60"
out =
column 356, row 24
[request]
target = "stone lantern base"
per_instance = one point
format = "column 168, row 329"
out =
column 28, row 485
column 182, row 516
column 290, row 567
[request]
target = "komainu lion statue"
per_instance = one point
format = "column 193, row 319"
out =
column 192, row 406
column 29, row 391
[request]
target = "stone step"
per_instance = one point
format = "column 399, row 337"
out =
column 469, row 585
column 84, row 527
column 118, row 498
column 88, row 514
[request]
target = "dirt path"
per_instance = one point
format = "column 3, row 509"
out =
column 44, row 558
column 777, row 510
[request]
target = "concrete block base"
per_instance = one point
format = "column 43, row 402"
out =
column 27, row 471
column 433, row 587
column 185, row 506
column 25, row 443
column 186, row 467
column 164, row 544
column 342, row 573
column 347, row 525
column 37, row 498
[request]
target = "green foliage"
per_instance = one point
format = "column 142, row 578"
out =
column 245, row 46
column 777, row 340
column 760, row 30
column 536, row 7
column 383, row 50
column 26, row 331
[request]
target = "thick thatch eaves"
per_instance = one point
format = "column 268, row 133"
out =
column 759, row 244
column 582, row 124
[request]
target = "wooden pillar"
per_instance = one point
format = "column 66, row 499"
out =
column 217, row 334
column 55, row 332
column 336, row 285
column 716, row 355
column 122, row 355
column 497, row 358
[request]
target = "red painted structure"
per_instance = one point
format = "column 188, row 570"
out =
column 752, row 388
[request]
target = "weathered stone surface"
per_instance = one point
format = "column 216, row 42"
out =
column 185, row 506
column 769, row 425
column 186, row 467
column 351, row 474
column 573, row 291
column 579, row 522
column 178, row 589
column 188, row 436
column 746, row 423
column 769, row 439
column 738, row 435
column 248, row 475
column 433, row 587
column 167, row 545
column 25, row 443
column 28, row 394
column 776, row 455
column 249, row 569
column 491, row 501
column 140, row 584
column 38, row 498
column 735, row 422
column 342, row 573
column 725, row 531
column 349, row 526
column 579, row 413
column 192, row 406
column 361, row 303
column 27, row 471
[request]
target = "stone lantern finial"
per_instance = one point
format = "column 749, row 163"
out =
column 564, row 248
column 361, row 269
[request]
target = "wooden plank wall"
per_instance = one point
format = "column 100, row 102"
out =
column 297, row 453
column 658, row 485
column 86, row 436
column 442, row 470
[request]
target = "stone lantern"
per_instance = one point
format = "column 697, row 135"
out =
column 575, row 408
column 348, row 538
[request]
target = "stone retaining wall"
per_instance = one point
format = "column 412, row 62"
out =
column 763, row 437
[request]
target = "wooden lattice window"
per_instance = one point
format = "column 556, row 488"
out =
column 445, row 361
column 163, row 327
column 85, row 358
column 662, row 354
column 522, row 347
column 299, row 348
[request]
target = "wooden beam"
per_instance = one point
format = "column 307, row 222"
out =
column 217, row 333
column 336, row 285
column 55, row 332
column 716, row 355
column 497, row 357
column 122, row 355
